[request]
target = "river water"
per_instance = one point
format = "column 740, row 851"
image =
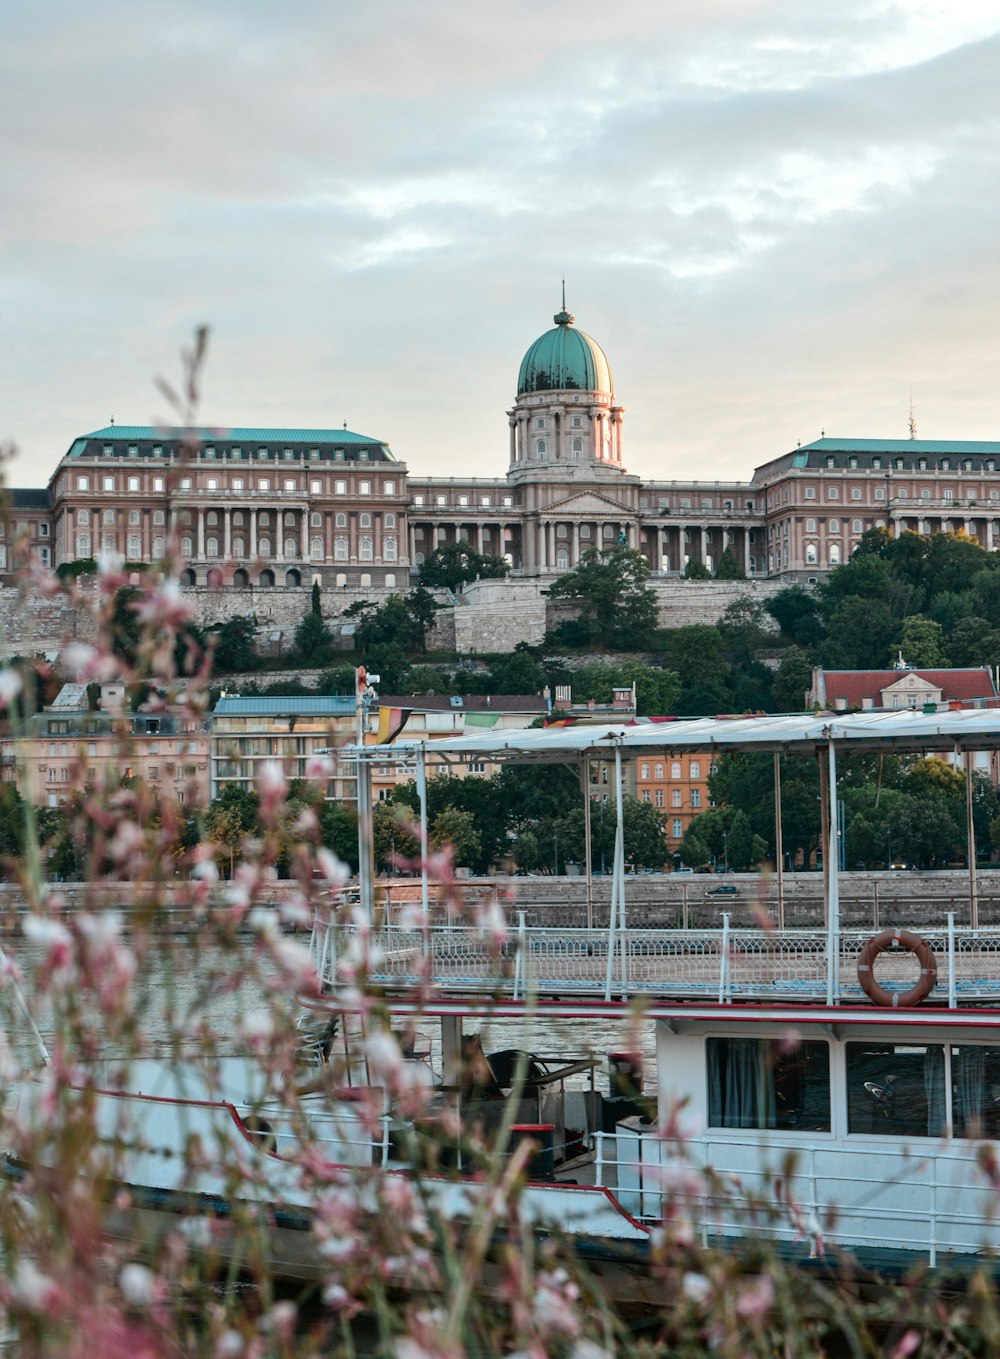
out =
column 184, row 989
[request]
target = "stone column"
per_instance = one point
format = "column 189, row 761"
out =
column 201, row 534
column 746, row 551
column 479, row 537
column 253, row 534
column 989, row 535
column 552, row 544
column 596, row 434
column 704, row 543
column 661, row 546
column 412, row 533
column 305, row 535
column 513, row 440
column 227, row 533
column 576, row 545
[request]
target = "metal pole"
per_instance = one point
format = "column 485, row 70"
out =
column 620, row 816
column 422, row 796
column 824, row 830
column 779, row 847
column 970, row 851
column 587, row 856
column 833, row 903
column 952, row 988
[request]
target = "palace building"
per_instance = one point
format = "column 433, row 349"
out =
column 269, row 508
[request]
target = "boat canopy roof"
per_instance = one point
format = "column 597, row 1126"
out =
column 959, row 730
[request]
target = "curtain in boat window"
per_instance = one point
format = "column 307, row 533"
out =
column 934, row 1090
column 970, row 1091
column 741, row 1085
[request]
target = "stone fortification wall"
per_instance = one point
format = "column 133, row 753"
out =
column 485, row 616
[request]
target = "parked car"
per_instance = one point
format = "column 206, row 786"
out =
column 724, row 889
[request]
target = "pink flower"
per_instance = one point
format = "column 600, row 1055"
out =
column 164, row 607
column 11, row 685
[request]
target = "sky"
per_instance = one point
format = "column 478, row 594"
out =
column 777, row 217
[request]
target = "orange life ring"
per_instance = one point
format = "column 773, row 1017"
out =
column 897, row 939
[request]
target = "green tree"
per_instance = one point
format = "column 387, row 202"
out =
column 743, row 628
column 695, row 569
column 729, row 568
column 457, row 828
column 920, row 642
column 792, row 682
column 313, row 643
column 235, row 645
column 400, row 621
column 616, row 605
column 859, row 634
column 338, row 830
column 795, row 610
column 456, row 564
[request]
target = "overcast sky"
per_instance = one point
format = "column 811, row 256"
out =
column 776, row 217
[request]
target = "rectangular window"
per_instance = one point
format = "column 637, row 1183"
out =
column 212, row 483
column 133, row 483
column 833, row 493
column 157, row 483
column 108, row 483
column 237, row 483
column 695, row 797
column 289, row 484
column 83, row 483
column 340, row 488
column 43, row 530
column 855, row 492
column 364, row 488
column 696, row 769
column 389, row 487
column 315, row 487
column 768, row 1083
column 677, row 828
column 185, row 484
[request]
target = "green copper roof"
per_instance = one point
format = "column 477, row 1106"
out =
column 563, row 359
column 209, row 435
column 830, row 445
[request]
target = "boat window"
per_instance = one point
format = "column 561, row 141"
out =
column 768, row 1083
column 899, row 1089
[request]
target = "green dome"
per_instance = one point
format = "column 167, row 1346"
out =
column 565, row 358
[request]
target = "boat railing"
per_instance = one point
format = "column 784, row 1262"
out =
column 935, row 1201
column 724, row 964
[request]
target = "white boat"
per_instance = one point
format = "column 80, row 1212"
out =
column 813, row 1091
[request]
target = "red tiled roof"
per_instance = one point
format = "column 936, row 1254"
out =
column 853, row 686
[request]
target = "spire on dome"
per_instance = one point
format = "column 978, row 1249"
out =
column 564, row 318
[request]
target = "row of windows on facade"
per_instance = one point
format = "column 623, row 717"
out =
column 676, row 770
column 239, row 517
column 923, row 464
column 111, row 483
column 236, row 452
column 898, row 493
column 676, row 797
column 317, row 548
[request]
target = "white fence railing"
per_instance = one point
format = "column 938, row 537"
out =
column 720, row 964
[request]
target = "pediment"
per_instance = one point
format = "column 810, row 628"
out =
column 589, row 504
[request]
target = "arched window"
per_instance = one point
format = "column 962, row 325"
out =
column 540, row 448
column 389, row 521
column 83, row 516
column 212, row 517
column 811, row 554
column 289, row 517
column 833, row 526
column 159, row 518
column 810, row 526
column 133, row 517
column 185, row 547
column 389, row 549
column 159, row 547
column 185, row 517
column 267, row 579
column 340, row 550
column 577, row 447
column 237, row 517
column 263, row 517
column 290, row 548
column 134, row 547
column 316, row 519
column 240, row 579
column 562, row 560
column 834, row 554
column 366, row 580
column 365, row 550
column 856, row 526
column 214, row 578
column 341, row 521
column 211, row 547
column 264, row 548
column 366, row 521
column 293, row 577
column 239, row 547
column 83, row 544
column 109, row 517
column 316, row 549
